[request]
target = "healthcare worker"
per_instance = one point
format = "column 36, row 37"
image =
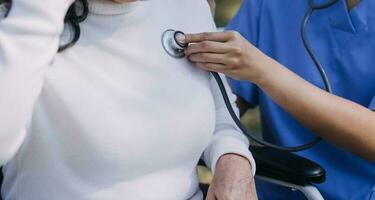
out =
column 266, row 52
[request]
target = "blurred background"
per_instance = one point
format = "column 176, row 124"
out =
column 225, row 10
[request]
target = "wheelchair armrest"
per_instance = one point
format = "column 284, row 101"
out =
column 287, row 167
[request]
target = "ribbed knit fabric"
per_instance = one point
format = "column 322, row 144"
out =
column 104, row 7
column 113, row 117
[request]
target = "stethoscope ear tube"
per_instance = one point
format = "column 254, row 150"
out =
column 249, row 134
column 307, row 44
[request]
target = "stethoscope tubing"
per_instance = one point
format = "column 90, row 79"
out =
column 175, row 52
column 248, row 133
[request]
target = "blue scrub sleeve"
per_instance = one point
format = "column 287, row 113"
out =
column 247, row 19
column 372, row 104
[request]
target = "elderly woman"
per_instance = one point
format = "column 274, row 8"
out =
column 113, row 116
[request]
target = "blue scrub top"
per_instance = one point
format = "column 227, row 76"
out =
column 345, row 44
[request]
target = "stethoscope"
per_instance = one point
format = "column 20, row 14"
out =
column 176, row 49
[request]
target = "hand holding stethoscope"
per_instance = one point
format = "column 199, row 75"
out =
column 340, row 121
column 232, row 55
column 228, row 53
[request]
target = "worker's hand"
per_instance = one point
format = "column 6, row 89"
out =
column 212, row 4
column 233, row 180
column 226, row 52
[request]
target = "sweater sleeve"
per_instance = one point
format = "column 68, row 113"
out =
column 29, row 39
column 227, row 137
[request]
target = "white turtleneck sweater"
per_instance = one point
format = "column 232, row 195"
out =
column 114, row 117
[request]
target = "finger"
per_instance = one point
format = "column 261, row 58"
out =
column 208, row 47
column 208, row 36
column 208, row 58
column 212, row 67
column 210, row 194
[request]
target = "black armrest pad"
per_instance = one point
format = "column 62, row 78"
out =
column 287, row 167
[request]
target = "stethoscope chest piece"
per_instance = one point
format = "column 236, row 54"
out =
column 171, row 44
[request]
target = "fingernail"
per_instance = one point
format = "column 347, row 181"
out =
column 181, row 38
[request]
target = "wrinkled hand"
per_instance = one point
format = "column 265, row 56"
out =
column 232, row 180
column 212, row 4
column 226, row 52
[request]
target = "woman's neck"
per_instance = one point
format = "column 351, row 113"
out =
column 352, row 3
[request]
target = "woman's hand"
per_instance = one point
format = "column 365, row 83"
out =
column 232, row 180
column 226, row 52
